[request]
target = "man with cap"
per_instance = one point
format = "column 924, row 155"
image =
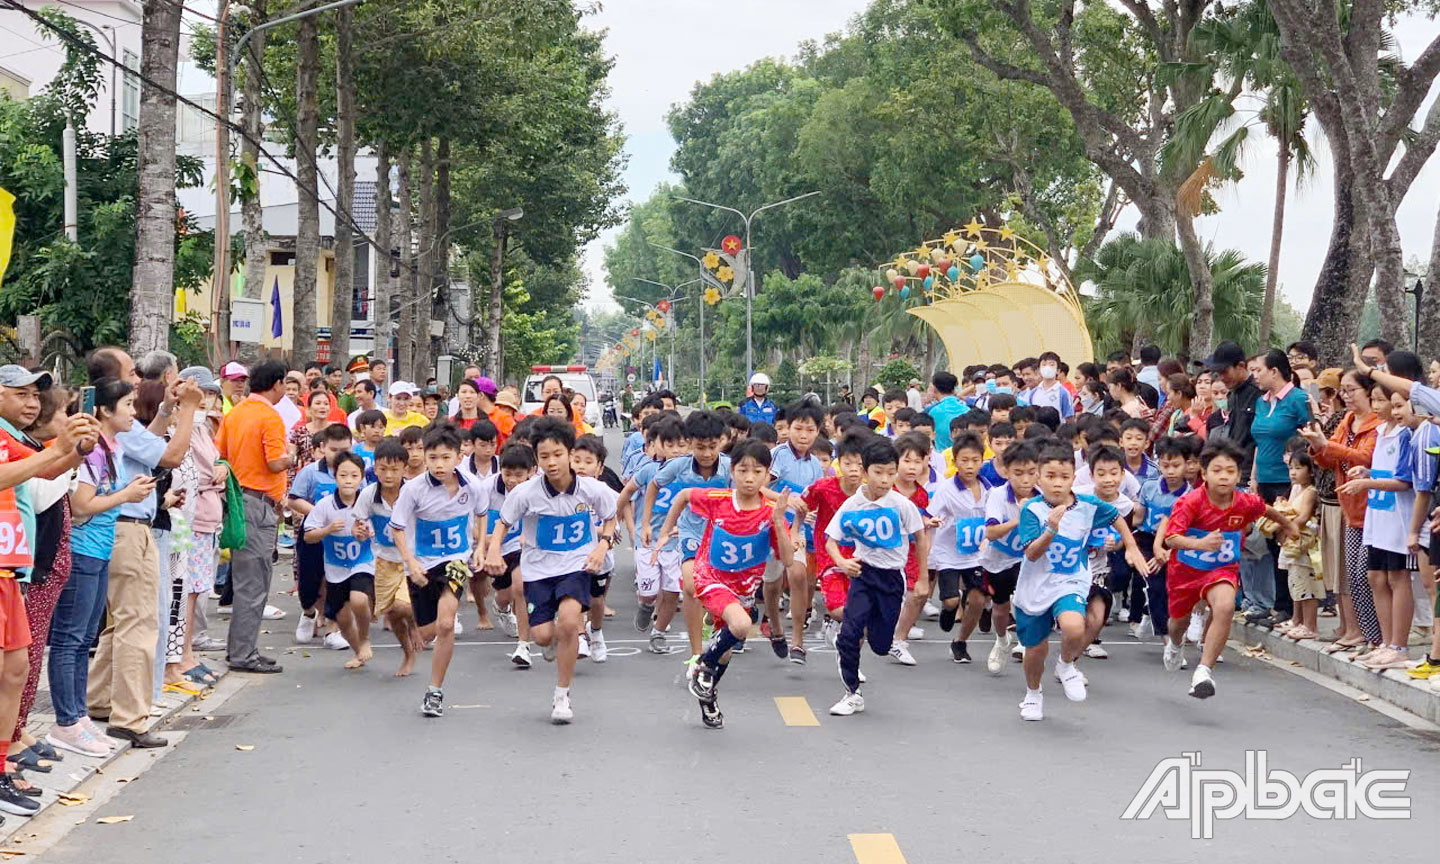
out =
column 357, row 370
column 399, row 414
column 1229, row 364
column 233, row 376
column 122, row 675
column 914, row 399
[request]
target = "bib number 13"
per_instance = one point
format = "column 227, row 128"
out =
column 563, row 533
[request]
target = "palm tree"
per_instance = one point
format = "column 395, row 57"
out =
column 1144, row 285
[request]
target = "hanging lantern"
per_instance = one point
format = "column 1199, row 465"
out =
column 952, row 273
column 911, row 265
column 923, row 271
column 899, row 282
column 879, row 292
column 891, row 274
column 929, row 282
column 977, row 263
column 943, row 265
column 905, row 293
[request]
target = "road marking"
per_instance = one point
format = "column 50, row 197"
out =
column 876, row 849
column 795, row 711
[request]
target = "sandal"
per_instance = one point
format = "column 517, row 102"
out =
column 201, row 676
column 32, row 761
column 45, row 750
column 23, row 786
column 182, row 687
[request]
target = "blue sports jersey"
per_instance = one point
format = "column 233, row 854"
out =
column 679, row 474
column 633, row 449
column 1158, row 499
column 313, row 482
column 647, row 471
column 990, row 476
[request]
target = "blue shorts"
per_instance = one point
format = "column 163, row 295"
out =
column 1034, row 629
column 689, row 548
column 543, row 596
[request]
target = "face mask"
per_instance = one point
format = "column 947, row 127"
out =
column 990, row 386
column 1004, row 390
column 201, row 415
column 1048, row 372
column 1222, row 402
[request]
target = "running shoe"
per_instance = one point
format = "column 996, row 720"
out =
column 830, row 631
column 959, row 652
column 459, row 628
column 643, row 615
column 560, row 711
column 657, row 643
column 433, row 705
column 985, row 619
column 1424, row 671
column 521, row 655
column 14, row 801
column 1140, row 629
column 780, row 646
column 548, row 651
column 1017, row 651
column 335, row 642
column 915, row 633
column 900, row 652
column 702, row 683
column 304, row 629
column 583, row 648
column 77, row 739
column 931, row 611
column 1032, row 707
column 1072, row 680
column 598, row 652
column 850, row 703
column 947, row 619
column 710, row 715
column 995, row 663
column 1196, row 629
column 797, row 655
column 1174, row 656
column 1202, row 686
column 1096, row 651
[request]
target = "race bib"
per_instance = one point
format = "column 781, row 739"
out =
column 1010, row 544
column 664, row 497
column 735, row 553
column 381, row 524
column 1100, row 536
column 1153, row 517
column 441, row 539
column 877, row 528
column 563, row 533
column 1065, row 556
column 1228, row 553
column 968, row 535
column 343, row 550
column 783, row 485
column 14, row 548
column 1381, row 499
column 493, row 518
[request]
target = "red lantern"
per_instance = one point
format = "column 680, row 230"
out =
column 635, row 331
column 879, row 292
column 923, row 271
column 899, row 282
column 943, row 265
column 663, row 306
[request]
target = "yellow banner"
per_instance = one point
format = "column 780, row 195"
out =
column 7, row 230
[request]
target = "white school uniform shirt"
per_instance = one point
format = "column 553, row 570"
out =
column 557, row 525
column 344, row 555
column 1004, row 552
column 961, row 535
column 438, row 524
column 880, row 529
column 1084, row 481
column 371, row 506
column 1387, row 514
column 1064, row 569
column 471, row 470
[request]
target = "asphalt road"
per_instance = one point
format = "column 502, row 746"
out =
column 345, row 769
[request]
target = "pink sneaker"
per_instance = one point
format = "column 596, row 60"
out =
column 76, row 738
column 97, row 733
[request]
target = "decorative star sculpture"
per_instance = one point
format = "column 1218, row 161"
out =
column 950, row 238
column 973, row 227
column 1007, row 233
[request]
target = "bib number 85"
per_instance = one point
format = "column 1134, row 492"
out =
column 1065, row 555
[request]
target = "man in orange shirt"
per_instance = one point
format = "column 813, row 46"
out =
column 252, row 440
column 503, row 418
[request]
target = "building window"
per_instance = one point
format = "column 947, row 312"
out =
column 130, row 92
column 196, row 127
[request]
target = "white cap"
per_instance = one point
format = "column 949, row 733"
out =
column 234, row 370
column 402, row 388
column 759, row 378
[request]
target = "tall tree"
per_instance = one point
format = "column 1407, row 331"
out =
column 154, row 273
column 343, row 298
column 422, row 278
column 384, row 241
column 404, row 239
column 252, row 121
column 307, row 234
column 441, row 278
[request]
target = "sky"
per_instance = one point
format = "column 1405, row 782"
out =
column 661, row 49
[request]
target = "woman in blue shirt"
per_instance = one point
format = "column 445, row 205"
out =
column 1282, row 410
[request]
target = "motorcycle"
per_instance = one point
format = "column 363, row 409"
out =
column 610, row 418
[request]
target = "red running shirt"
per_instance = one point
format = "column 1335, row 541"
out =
column 736, row 536
column 1194, row 514
column 823, row 498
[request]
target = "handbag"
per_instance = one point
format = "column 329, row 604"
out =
column 233, row 533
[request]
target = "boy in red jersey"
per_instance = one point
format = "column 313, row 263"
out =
column 742, row 530
column 1205, row 529
column 823, row 498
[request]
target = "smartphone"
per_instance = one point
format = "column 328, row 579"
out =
column 87, row 400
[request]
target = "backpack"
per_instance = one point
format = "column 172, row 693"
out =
column 232, row 525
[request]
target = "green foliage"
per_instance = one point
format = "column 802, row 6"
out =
column 896, row 374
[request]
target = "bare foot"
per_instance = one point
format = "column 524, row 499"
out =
column 354, row 663
column 609, row 613
column 365, row 652
column 485, row 624
column 406, row 667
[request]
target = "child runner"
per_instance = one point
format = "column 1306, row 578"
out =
column 588, row 460
column 369, row 432
column 1054, row 579
column 1000, row 558
column 435, row 523
column 559, row 550
column 657, row 578
column 1157, row 498
column 741, row 530
column 312, row 483
column 823, row 498
column 1204, row 531
column 1107, row 470
column 792, row 469
column 372, row 521
column 517, row 464
column 705, row 467
column 914, row 467
column 882, row 524
column 414, row 442
column 349, row 560
column 958, row 508
column 479, row 464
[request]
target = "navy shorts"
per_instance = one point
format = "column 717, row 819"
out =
column 337, row 594
column 951, row 581
column 543, row 596
column 426, row 601
column 1001, row 585
column 504, row 580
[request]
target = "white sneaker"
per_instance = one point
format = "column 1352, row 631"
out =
column 521, row 655
column 915, row 633
column 1017, row 650
column 1072, row 680
column 830, row 631
column 560, row 712
column 1202, row 685
column 1196, row 631
column 995, row 663
column 1140, row 629
column 1174, row 656
column 584, row 647
column 548, row 651
column 97, row 733
column 1096, row 652
column 459, row 628
column 931, row 611
column 223, row 611
column 335, row 642
column 851, row 703
column 598, row 652
column 507, row 623
column 273, row 613
column 1032, row 706
column 305, row 629
column 77, row 739
column 900, row 651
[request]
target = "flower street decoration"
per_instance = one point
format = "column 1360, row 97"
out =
column 711, row 260
column 726, row 273
column 711, row 296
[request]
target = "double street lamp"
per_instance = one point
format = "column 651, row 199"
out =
column 673, row 298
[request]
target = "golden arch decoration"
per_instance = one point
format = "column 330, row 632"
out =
column 992, row 297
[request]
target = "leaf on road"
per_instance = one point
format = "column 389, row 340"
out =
column 1362, row 698
column 72, row 799
column 245, row 747
column 7, row 854
column 126, row 779
column 111, row 820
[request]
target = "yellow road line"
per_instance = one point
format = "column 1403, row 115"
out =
column 876, row 849
column 795, row 711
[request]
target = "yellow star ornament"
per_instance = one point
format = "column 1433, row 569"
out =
column 973, row 228
column 1007, row 233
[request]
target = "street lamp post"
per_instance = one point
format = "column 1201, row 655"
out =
column 749, row 264
column 673, row 299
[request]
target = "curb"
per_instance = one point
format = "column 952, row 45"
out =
column 1391, row 685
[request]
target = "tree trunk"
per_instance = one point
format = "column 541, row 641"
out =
column 405, row 347
column 384, row 289
column 1277, row 230
column 342, row 300
column 153, row 285
column 1387, row 257
column 1333, row 317
column 443, row 305
column 1429, row 330
column 493, row 349
column 424, row 264
column 307, row 236
column 1202, row 331
column 257, row 247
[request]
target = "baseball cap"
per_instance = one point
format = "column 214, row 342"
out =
column 201, row 376
column 18, row 376
column 486, row 385
column 1328, row 379
column 509, row 398
column 402, row 388
column 1227, row 354
column 234, row 370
